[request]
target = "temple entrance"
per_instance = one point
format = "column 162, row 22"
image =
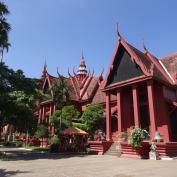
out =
column 114, row 127
column 144, row 117
column 143, row 107
column 173, row 122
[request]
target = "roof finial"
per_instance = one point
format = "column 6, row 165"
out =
column 102, row 71
column 69, row 72
column 117, row 30
column 144, row 46
column 58, row 72
column 93, row 72
column 74, row 71
column 45, row 66
column 82, row 54
column 45, row 63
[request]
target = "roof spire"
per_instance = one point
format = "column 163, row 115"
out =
column 45, row 65
column 82, row 57
column 117, row 30
column 82, row 67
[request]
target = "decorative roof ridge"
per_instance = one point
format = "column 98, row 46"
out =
column 86, row 86
column 84, row 81
column 160, row 67
column 47, row 78
column 166, row 71
column 96, row 87
column 78, row 96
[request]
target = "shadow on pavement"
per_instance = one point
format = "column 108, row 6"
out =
column 5, row 173
column 14, row 155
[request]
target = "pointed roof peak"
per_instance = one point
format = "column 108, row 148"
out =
column 45, row 66
column 82, row 55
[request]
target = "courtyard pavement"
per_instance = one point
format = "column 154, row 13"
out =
column 26, row 164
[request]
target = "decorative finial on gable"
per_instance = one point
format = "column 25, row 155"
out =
column 74, row 71
column 144, row 46
column 45, row 65
column 44, row 72
column 117, row 30
column 101, row 75
column 69, row 72
column 58, row 72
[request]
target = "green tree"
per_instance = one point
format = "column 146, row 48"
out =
column 93, row 118
column 55, row 119
column 42, row 131
column 4, row 29
column 61, row 95
column 18, row 97
column 70, row 112
column 62, row 119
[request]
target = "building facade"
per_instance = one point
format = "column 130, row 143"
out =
column 139, row 90
column 83, row 89
column 146, row 92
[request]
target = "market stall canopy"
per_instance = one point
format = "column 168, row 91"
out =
column 73, row 131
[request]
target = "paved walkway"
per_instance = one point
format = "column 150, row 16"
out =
column 27, row 164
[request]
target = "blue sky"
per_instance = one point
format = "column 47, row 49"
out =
column 58, row 30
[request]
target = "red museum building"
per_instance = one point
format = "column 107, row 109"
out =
column 139, row 90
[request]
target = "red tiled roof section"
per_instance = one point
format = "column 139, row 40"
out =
column 170, row 62
column 93, row 85
column 71, row 90
column 100, row 97
column 145, row 60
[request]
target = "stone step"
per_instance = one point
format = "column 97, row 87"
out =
column 114, row 150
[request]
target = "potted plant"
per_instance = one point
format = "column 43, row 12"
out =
column 136, row 147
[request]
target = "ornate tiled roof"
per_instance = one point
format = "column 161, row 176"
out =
column 170, row 62
column 81, row 86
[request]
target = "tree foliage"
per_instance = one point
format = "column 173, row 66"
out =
column 42, row 131
column 61, row 95
column 93, row 118
column 55, row 118
column 18, row 96
column 62, row 119
column 4, row 29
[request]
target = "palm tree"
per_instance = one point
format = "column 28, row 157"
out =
column 4, row 29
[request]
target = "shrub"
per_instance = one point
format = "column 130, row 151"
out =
column 136, row 137
column 18, row 143
column 9, row 144
column 13, row 143
column 54, row 140
column 54, row 144
column 42, row 131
